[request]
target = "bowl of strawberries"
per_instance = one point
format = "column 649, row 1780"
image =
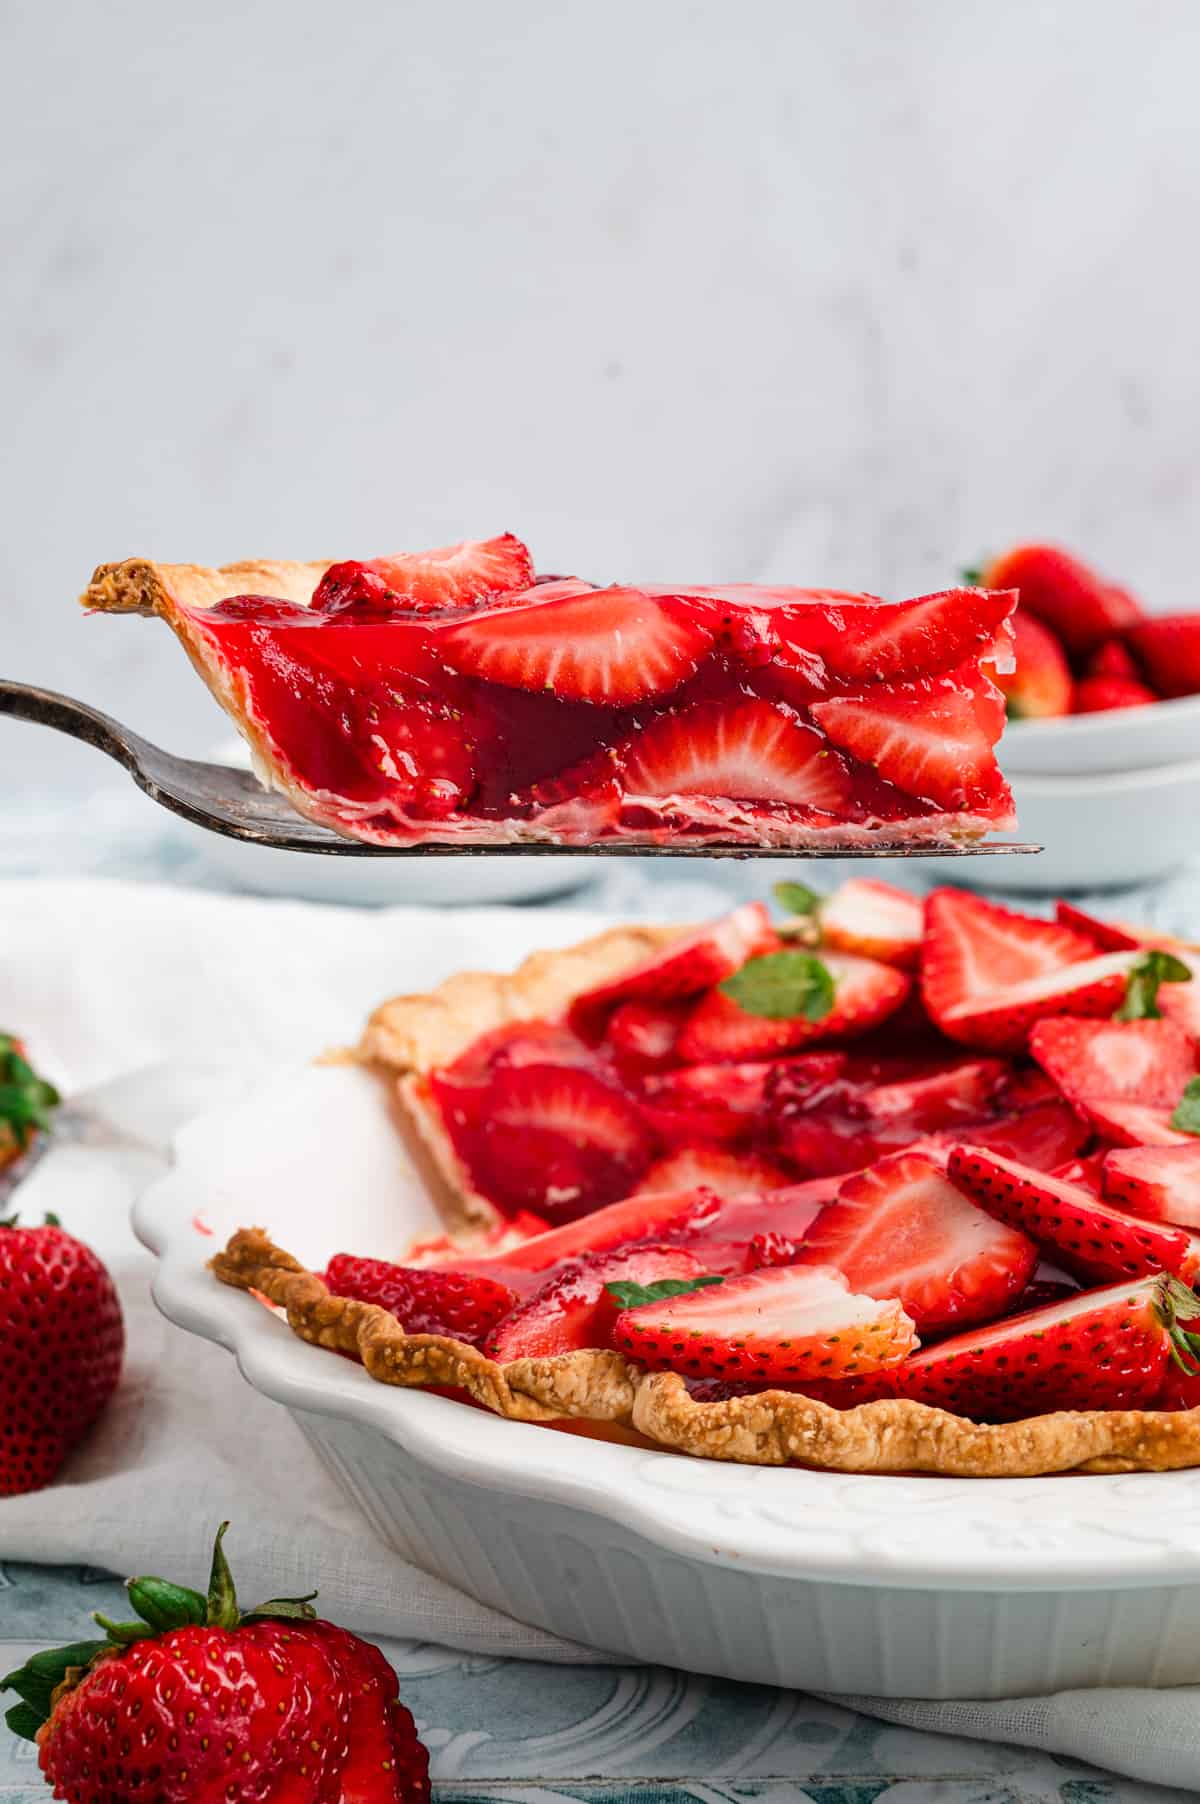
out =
column 1103, row 743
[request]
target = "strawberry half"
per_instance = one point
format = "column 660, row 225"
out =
column 715, row 1105
column 988, row 973
column 449, row 576
column 685, row 967
column 610, row 647
column 783, row 1323
column 903, row 1229
column 1093, row 1240
column 753, row 751
column 555, row 1139
column 424, row 1299
column 1100, row 1349
column 1168, row 649
column 1045, row 1136
column 1039, row 687
column 1107, row 936
column 865, row 992
column 932, row 739
column 724, row 1174
column 573, row 1309
column 874, row 920
column 642, row 1035
column 1077, row 604
column 869, row 641
column 1159, row 1183
column 1125, row 1076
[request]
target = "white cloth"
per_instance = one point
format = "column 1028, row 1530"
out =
column 150, row 1004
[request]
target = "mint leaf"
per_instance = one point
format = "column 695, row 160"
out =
column 972, row 576
column 632, row 1296
column 782, row 986
column 1141, row 986
column 797, row 898
column 1187, row 1110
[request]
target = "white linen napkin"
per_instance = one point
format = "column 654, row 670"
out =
column 151, row 1004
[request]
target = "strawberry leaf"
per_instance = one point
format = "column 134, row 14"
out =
column 632, row 1296
column 25, row 1098
column 781, row 986
column 972, row 576
column 797, row 898
column 1186, row 1117
column 164, row 1605
column 24, row 1721
column 1141, row 986
column 36, row 1682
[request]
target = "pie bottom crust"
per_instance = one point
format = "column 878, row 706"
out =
column 773, row 1428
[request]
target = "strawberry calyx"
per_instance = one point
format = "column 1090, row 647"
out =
column 26, row 1099
column 1178, row 1309
column 1142, row 985
column 161, row 1608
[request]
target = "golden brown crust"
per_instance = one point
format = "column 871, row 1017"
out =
column 138, row 585
column 774, row 1428
column 409, row 1036
column 421, row 1032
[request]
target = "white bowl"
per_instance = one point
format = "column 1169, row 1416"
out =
column 385, row 881
column 902, row 1587
column 1119, row 739
column 1097, row 832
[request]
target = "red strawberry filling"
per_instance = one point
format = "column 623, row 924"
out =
column 764, row 1163
column 452, row 693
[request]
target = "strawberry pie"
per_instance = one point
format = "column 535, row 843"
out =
column 454, row 696
column 867, row 1184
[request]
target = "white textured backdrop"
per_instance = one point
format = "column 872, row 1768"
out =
column 778, row 289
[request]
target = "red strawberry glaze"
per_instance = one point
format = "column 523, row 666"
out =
column 596, row 713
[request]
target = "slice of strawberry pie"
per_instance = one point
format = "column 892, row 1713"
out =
column 453, row 696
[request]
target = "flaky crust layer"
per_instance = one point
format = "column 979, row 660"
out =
column 774, row 1428
column 138, row 585
column 420, row 1032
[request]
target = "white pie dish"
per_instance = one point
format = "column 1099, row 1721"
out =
column 904, row 1587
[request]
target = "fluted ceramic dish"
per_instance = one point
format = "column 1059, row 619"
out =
column 925, row 1587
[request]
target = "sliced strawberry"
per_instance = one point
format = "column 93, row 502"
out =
column 932, row 739
column 752, row 751
column 1168, row 649
column 874, row 919
column 642, row 1035
column 1097, row 695
column 782, row 1324
column 845, row 1124
column 865, row 993
column 987, row 973
column 1091, row 1239
column 521, row 1043
column 1133, row 1123
column 558, row 1140
column 1045, row 1136
column 707, row 1104
column 424, row 1300
column 903, row 1229
column 1101, row 1062
column 1106, row 936
column 723, row 1173
column 686, row 966
column 572, row 1308
column 449, row 576
column 1180, row 1390
column 1080, row 606
column 1039, row 687
column 1100, row 1349
column 610, row 647
column 1159, row 1183
column 862, row 640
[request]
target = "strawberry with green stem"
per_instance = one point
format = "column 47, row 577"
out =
column 199, row 1702
column 26, row 1100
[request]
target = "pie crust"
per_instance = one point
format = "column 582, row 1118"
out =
column 409, row 1036
column 772, row 1428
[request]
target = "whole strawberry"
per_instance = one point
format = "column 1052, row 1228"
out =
column 25, row 1100
column 62, row 1340
column 200, row 1702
